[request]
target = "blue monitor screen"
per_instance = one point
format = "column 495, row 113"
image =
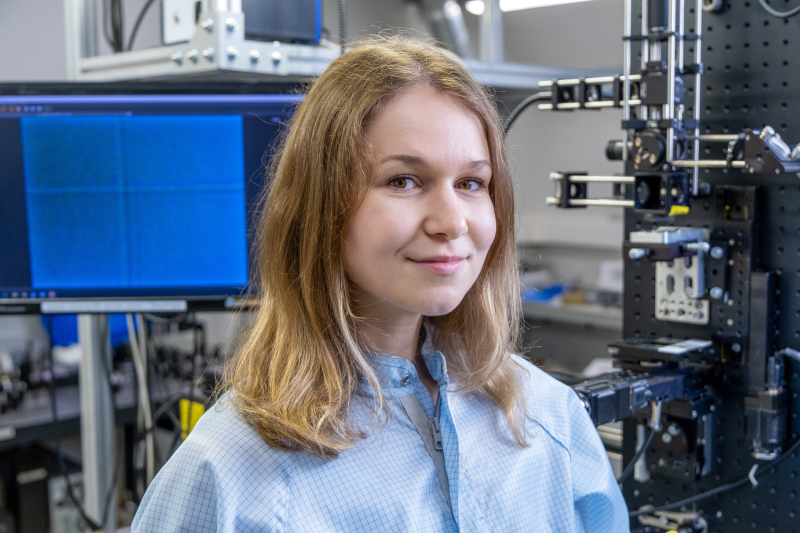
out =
column 131, row 197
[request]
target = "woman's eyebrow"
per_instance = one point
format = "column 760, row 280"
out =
column 475, row 165
column 408, row 159
column 417, row 161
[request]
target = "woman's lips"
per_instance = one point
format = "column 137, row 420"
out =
column 440, row 265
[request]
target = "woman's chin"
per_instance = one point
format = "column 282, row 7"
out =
column 439, row 304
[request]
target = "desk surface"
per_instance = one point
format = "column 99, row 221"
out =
column 581, row 315
column 32, row 421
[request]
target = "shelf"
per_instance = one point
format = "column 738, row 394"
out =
column 220, row 51
column 591, row 316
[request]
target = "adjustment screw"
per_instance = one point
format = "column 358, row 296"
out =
column 230, row 23
column 716, row 252
column 697, row 316
column 674, row 430
column 637, row 253
column 687, row 291
column 192, row 55
column 698, row 304
column 208, row 53
column 255, row 55
column 736, row 347
column 177, row 57
column 208, row 25
column 716, row 293
column 276, row 57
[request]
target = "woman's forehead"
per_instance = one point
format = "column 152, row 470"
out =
column 426, row 124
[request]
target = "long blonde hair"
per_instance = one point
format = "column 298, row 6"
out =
column 296, row 371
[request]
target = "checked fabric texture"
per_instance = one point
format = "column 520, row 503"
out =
column 224, row 478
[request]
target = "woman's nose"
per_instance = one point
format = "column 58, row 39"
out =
column 444, row 213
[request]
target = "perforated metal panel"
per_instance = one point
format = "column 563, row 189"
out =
column 752, row 79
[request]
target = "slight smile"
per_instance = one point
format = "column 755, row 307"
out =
column 440, row 264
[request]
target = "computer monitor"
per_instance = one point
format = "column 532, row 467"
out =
column 131, row 202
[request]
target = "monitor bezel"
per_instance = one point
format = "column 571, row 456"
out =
column 104, row 305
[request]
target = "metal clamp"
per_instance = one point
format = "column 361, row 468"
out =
column 571, row 190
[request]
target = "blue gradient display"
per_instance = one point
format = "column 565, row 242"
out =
column 117, row 201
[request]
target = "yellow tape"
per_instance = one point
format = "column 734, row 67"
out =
column 188, row 421
column 678, row 210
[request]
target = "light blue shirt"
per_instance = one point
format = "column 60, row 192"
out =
column 226, row 478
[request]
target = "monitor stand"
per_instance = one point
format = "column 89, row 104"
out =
column 97, row 420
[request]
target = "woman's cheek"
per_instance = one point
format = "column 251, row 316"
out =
column 485, row 227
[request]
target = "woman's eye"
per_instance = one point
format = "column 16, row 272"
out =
column 401, row 183
column 470, row 185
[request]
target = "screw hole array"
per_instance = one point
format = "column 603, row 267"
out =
column 749, row 81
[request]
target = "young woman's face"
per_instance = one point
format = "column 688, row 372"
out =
column 419, row 240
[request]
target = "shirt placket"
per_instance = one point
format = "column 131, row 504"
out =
column 450, row 449
column 438, row 369
column 449, row 437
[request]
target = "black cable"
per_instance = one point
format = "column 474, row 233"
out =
column 542, row 95
column 779, row 14
column 106, row 21
column 723, row 488
column 117, row 25
column 57, row 437
column 636, row 457
column 138, row 23
column 343, row 23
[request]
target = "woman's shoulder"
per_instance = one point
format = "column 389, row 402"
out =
column 222, row 466
column 228, row 444
column 554, row 405
column 222, row 428
column 541, row 386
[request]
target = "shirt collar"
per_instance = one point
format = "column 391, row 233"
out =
column 398, row 376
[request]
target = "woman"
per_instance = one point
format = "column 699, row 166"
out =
column 376, row 390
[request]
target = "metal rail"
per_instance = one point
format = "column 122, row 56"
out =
column 555, row 176
column 708, row 164
column 589, row 81
column 592, row 105
column 586, row 202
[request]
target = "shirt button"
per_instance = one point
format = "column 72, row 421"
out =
column 405, row 380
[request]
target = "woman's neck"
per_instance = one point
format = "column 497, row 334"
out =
column 398, row 337
column 401, row 339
